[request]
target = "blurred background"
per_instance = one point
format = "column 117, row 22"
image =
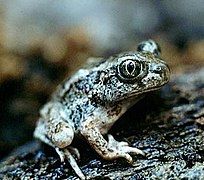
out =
column 43, row 41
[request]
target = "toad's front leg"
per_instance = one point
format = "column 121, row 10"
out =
column 108, row 150
column 54, row 130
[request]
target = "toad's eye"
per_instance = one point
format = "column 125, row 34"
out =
column 129, row 70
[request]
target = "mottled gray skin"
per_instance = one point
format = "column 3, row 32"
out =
column 94, row 98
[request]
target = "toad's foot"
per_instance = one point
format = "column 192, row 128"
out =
column 123, row 149
column 65, row 154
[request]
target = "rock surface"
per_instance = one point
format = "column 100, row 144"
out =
column 167, row 125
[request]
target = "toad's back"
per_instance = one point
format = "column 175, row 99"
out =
column 95, row 97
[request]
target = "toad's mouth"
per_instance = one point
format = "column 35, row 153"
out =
column 136, row 93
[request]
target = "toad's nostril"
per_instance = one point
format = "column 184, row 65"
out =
column 158, row 69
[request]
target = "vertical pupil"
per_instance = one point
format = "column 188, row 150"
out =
column 130, row 67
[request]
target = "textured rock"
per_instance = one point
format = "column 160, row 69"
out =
column 167, row 125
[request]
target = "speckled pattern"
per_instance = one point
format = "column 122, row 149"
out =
column 166, row 125
column 93, row 99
